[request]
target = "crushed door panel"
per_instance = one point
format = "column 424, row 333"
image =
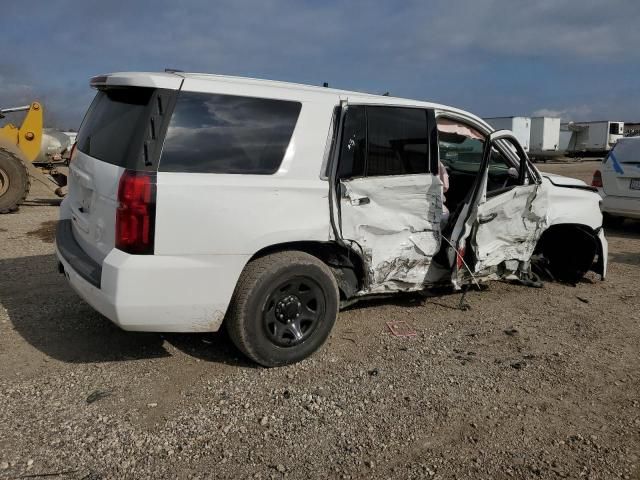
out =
column 395, row 221
column 509, row 225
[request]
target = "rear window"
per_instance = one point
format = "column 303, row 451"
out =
column 211, row 133
column 112, row 130
column 627, row 150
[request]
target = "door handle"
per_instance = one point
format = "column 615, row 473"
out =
column 360, row 201
column 487, row 218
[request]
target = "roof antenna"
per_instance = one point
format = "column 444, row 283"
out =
column 325, row 84
column 173, row 70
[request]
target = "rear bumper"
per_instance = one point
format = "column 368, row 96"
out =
column 156, row 293
column 620, row 206
column 77, row 259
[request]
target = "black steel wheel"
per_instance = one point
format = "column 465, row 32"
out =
column 283, row 308
column 293, row 311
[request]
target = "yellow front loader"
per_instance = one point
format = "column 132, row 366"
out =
column 19, row 148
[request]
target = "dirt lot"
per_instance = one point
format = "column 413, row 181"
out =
column 529, row 383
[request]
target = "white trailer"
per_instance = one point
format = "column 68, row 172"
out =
column 595, row 138
column 520, row 126
column 545, row 137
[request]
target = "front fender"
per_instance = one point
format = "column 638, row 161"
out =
column 580, row 207
column 573, row 205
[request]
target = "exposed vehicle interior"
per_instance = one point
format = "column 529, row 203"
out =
column 460, row 151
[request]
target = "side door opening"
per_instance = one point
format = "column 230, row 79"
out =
column 387, row 195
column 460, row 147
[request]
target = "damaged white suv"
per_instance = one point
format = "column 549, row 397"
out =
column 197, row 200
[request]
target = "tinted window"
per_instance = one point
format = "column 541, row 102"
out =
column 228, row 134
column 398, row 141
column 353, row 148
column 113, row 129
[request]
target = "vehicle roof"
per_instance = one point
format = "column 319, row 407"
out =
column 173, row 80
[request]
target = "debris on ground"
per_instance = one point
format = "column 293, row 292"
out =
column 401, row 328
column 97, row 395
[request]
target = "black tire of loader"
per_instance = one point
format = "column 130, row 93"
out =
column 19, row 181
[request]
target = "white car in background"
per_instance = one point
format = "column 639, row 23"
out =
column 618, row 181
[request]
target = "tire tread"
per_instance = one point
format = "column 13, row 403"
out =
column 26, row 181
column 251, row 275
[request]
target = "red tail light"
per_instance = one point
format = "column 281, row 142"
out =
column 136, row 213
column 597, row 179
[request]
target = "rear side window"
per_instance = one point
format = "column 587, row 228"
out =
column 211, row 133
column 113, row 129
column 398, row 143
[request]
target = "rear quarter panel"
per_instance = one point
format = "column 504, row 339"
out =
column 221, row 214
column 201, row 214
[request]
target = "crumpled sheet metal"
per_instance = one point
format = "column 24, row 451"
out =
column 514, row 232
column 398, row 230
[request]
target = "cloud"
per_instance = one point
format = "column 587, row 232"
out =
column 571, row 29
column 576, row 112
column 489, row 56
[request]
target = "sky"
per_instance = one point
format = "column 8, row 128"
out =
column 578, row 59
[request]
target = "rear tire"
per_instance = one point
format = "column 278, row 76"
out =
column 283, row 308
column 14, row 181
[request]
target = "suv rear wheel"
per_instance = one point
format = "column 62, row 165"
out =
column 283, row 308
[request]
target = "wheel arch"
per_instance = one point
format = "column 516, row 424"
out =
column 346, row 265
column 585, row 243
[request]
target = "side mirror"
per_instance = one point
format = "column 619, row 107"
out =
column 513, row 172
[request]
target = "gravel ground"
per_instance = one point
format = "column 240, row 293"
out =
column 528, row 383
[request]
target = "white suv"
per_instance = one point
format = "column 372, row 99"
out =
column 201, row 199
